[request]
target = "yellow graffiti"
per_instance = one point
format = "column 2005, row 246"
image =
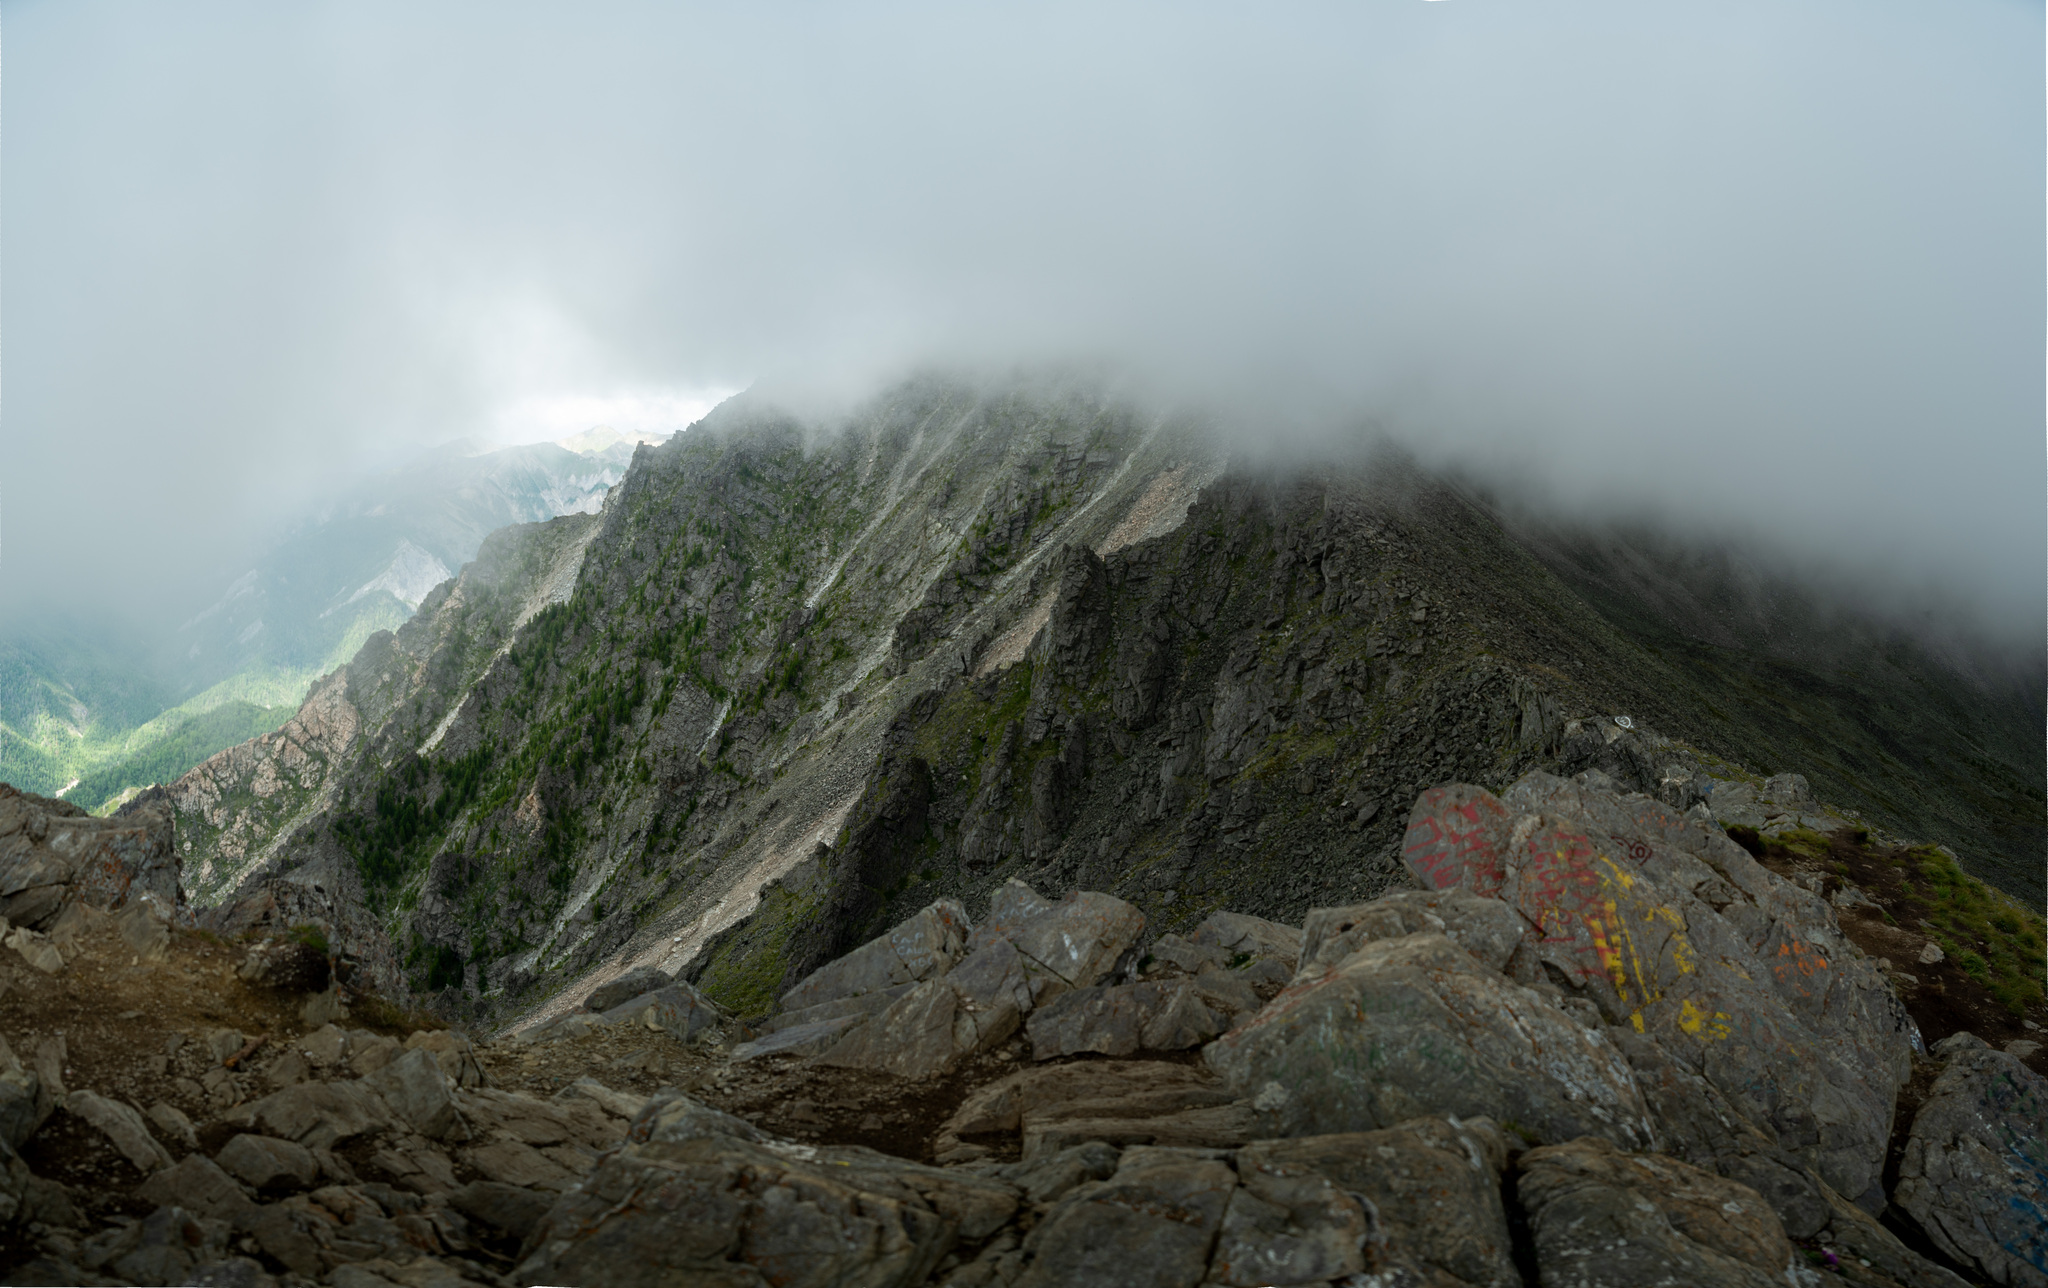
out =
column 1700, row 1024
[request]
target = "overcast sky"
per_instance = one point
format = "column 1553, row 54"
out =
column 1773, row 268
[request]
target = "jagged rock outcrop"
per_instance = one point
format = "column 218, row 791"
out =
column 1975, row 1171
column 54, row 855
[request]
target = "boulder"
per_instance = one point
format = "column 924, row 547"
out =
column 1670, row 929
column 198, row 1183
column 1418, row 1027
column 1013, row 904
column 1121, row 1020
column 162, row 1248
column 1239, row 935
column 1975, row 1171
column 1609, row 1219
column 122, row 1125
column 54, row 854
column 265, row 1163
column 318, row 1115
column 1430, row 1190
column 799, row 1039
column 641, row 979
column 677, row 1009
column 1485, row 927
column 172, row 1124
column 454, row 1053
column 912, row 1039
column 852, row 1009
column 1050, row 1176
column 1051, row 1108
column 508, row 1209
column 1150, row 1225
column 697, row 1196
column 1076, row 942
column 924, row 946
column 417, row 1092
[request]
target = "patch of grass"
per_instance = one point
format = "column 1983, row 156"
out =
column 1998, row 942
column 311, row 936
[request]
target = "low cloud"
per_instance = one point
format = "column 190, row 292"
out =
column 1765, row 271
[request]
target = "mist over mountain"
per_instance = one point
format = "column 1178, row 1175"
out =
column 93, row 704
column 1763, row 274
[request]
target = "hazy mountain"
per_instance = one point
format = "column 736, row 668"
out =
column 91, row 711
column 798, row 677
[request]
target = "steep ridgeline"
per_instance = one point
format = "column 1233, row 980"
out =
column 812, row 677
column 757, row 602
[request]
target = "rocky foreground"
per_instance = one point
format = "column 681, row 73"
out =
column 1597, row 1044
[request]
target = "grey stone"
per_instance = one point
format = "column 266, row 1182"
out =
column 799, row 1039
column 318, row 1115
column 1417, row 1027
column 619, row 1104
column 1049, row 1108
column 1048, row 1177
column 1671, row 929
column 1078, row 940
column 1151, row 1225
column 912, row 1039
column 162, row 1247
column 370, row 1052
column 1429, row 1190
column 417, row 1092
column 1120, row 1020
column 641, row 979
column 122, row 1125
column 1975, row 1171
column 1013, row 904
column 266, row 1163
column 701, row 1198
column 678, row 1010
column 508, row 1209
column 857, row 1007
column 1482, row 926
column 454, row 1053
column 173, row 1125
column 924, row 946
column 222, row 1044
column 1239, row 934
column 1608, row 1219
column 198, row 1183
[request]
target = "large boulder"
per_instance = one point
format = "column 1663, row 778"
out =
column 1417, row 1027
column 1430, row 1187
column 1603, row 1218
column 1670, row 929
column 1121, row 1019
column 1151, row 1225
column 1975, row 1170
column 982, row 1001
column 924, row 946
column 52, row 853
column 696, row 1196
column 641, row 979
column 1043, row 1110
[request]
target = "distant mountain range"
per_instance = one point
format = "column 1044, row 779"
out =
column 91, row 712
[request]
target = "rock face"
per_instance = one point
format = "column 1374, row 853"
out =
column 1607, row 1219
column 1975, row 1172
column 945, row 1012
column 1667, row 927
column 1416, row 1026
column 53, row 854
